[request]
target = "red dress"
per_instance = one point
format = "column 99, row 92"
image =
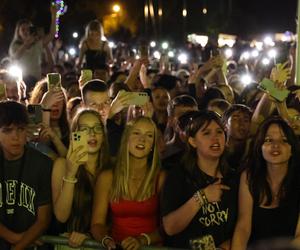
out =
column 131, row 218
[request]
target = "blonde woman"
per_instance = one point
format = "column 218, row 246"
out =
column 73, row 181
column 93, row 49
column 130, row 191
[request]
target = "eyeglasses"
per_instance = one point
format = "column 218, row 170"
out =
column 100, row 105
column 96, row 129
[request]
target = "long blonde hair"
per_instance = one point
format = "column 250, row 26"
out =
column 121, row 172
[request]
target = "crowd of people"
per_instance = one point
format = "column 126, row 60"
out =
column 182, row 156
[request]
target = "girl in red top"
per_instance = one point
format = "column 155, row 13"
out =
column 130, row 191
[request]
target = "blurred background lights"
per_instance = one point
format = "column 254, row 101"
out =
column 15, row 71
column 116, row 8
column 72, row 51
column 228, row 53
column 182, row 58
column 156, row 54
column 272, row 53
column 246, row 79
column 245, row 55
column 165, row 45
column 254, row 53
column 111, row 44
column 171, row 54
column 75, row 35
column 152, row 44
column 269, row 41
column 265, row 61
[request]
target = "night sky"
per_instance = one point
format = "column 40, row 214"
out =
column 243, row 18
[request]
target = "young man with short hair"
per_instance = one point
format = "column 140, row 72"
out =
column 25, row 182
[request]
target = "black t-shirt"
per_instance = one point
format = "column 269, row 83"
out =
column 20, row 210
column 217, row 219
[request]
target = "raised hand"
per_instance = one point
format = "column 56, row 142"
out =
column 280, row 74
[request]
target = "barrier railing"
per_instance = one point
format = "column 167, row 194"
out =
column 60, row 240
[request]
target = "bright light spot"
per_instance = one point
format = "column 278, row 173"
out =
column 72, row 51
column 245, row 55
column 184, row 12
column 228, row 53
column 165, row 45
column 15, row 71
column 156, row 54
column 265, row 61
column 134, row 51
column 137, row 57
column 204, row 11
column 269, row 41
column 75, row 35
column 111, row 44
column 160, row 12
column 171, row 54
column 152, row 44
column 255, row 53
column 182, row 58
column 246, row 79
column 272, row 53
column 116, row 8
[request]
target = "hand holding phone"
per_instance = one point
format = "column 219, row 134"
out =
column 136, row 98
column 85, row 76
column 54, row 81
column 80, row 145
column 268, row 87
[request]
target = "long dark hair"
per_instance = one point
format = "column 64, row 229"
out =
column 80, row 217
column 257, row 166
column 202, row 119
column 35, row 98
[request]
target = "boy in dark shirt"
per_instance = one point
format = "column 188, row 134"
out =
column 25, row 182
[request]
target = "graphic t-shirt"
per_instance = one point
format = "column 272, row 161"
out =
column 24, row 190
column 216, row 218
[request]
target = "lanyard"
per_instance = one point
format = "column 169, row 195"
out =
column 18, row 188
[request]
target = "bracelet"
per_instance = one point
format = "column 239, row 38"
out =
column 72, row 181
column 204, row 198
column 147, row 238
column 106, row 237
column 46, row 110
column 197, row 197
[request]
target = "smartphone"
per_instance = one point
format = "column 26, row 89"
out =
column 138, row 98
column 53, row 81
column 2, row 92
column 205, row 242
column 80, row 138
column 268, row 86
column 87, row 74
column 144, row 51
column 35, row 113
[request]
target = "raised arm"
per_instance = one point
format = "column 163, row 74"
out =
column 50, row 36
column 244, row 223
column 99, row 227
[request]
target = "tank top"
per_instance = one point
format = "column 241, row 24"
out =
column 95, row 58
column 276, row 222
column 131, row 218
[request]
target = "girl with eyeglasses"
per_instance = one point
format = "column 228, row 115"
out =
column 200, row 194
column 73, row 178
column 130, row 192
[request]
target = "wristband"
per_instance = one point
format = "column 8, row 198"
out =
column 106, row 237
column 204, row 198
column 197, row 197
column 72, row 181
column 147, row 238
